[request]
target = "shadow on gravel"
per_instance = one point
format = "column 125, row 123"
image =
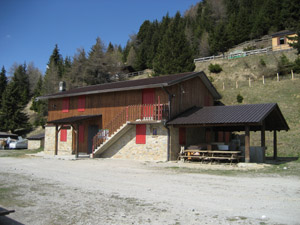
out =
column 6, row 220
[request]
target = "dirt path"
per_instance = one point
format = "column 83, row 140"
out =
column 48, row 191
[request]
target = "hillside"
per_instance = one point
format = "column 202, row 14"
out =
column 242, row 68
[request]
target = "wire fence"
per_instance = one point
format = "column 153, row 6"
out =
column 250, row 82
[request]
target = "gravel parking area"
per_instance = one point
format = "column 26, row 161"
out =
column 109, row 191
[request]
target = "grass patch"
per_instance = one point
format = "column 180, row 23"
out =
column 19, row 153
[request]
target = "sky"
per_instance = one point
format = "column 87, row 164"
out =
column 29, row 29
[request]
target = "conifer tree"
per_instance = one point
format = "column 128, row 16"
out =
column 53, row 73
column 174, row 54
column 3, row 82
column 96, row 70
column 12, row 117
column 21, row 83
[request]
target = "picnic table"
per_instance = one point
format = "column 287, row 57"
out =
column 210, row 155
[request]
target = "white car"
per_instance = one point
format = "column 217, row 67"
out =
column 20, row 143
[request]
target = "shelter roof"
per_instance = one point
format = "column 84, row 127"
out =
column 73, row 120
column 234, row 117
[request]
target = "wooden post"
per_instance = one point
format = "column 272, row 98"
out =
column 275, row 145
column 56, row 139
column 263, row 80
column 236, row 85
column 249, row 82
column 277, row 77
column 223, row 86
column 77, row 140
column 263, row 140
column 247, row 144
column 292, row 74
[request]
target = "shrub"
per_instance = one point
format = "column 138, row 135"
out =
column 296, row 66
column 284, row 65
column 262, row 62
column 214, row 68
column 239, row 98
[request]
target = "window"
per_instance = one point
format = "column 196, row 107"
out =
column 154, row 131
column 282, row 41
column 63, row 135
column 81, row 134
column 140, row 134
column 65, row 105
column 81, row 103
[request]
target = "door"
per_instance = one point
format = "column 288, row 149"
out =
column 148, row 102
column 92, row 131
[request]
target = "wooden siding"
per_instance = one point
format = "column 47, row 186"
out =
column 188, row 94
column 107, row 104
column 276, row 44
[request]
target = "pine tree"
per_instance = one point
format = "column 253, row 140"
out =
column 21, row 83
column 96, row 70
column 174, row 54
column 12, row 117
column 3, row 83
column 110, row 48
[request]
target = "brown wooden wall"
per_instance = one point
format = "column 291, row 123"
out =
column 188, row 94
column 107, row 104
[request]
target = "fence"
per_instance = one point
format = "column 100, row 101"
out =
column 231, row 84
column 235, row 55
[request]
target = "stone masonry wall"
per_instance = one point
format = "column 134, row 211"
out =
column 34, row 144
column 64, row 148
column 154, row 149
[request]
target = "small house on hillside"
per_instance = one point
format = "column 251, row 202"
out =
column 280, row 40
column 153, row 119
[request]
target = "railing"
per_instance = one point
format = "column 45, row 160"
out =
column 234, row 55
column 151, row 112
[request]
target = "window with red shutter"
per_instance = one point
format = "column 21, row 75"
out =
column 182, row 135
column 140, row 134
column 81, row 103
column 65, row 105
column 63, row 135
column 81, row 133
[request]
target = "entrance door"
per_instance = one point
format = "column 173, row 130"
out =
column 92, row 131
column 148, row 102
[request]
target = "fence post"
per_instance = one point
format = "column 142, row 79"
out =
column 292, row 74
column 249, row 82
column 223, row 86
column 277, row 77
column 236, row 85
column 263, row 80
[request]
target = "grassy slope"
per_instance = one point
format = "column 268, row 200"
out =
column 287, row 94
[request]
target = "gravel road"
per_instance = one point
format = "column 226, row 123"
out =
column 110, row 191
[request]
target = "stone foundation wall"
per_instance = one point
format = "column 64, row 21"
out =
column 64, row 148
column 34, row 144
column 154, row 149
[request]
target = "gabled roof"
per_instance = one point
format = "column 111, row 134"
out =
column 161, row 81
column 37, row 137
column 235, row 116
column 282, row 33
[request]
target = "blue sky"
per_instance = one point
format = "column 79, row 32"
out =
column 29, row 29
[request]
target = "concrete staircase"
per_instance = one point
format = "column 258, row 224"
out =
column 112, row 139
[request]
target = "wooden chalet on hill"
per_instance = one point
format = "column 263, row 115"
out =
column 148, row 119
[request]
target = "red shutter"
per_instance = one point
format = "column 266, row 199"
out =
column 81, row 103
column 227, row 137
column 63, row 135
column 140, row 134
column 207, row 136
column 65, row 104
column 81, row 133
column 148, row 96
column 220, row 136
column 182, row 135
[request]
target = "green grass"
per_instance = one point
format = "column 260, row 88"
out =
column 287, row 94
column 19, row 153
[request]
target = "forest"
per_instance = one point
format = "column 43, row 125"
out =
column 165, row 46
